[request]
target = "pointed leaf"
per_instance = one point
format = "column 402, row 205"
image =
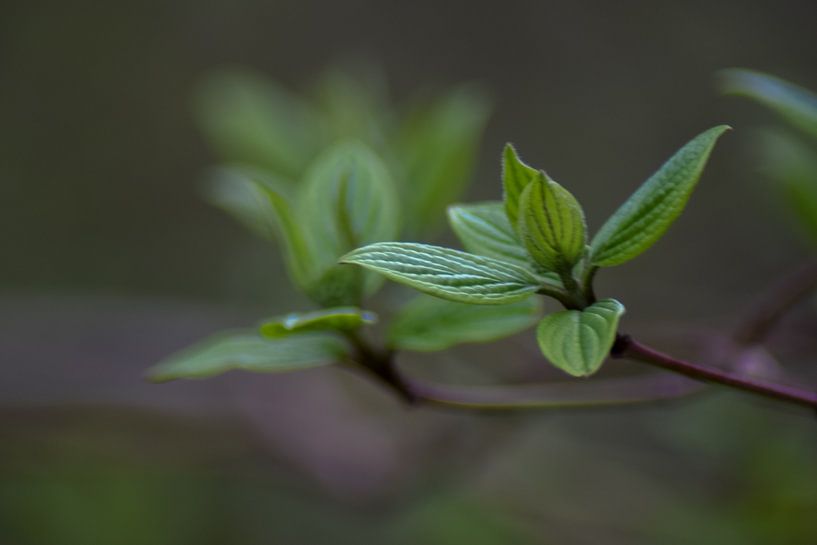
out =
column 446, row 273
column 348, row 200
column 484, row 229
column 516, row 176
column 338, row 319
column 249, row 352
column 578, row 341
column 648, row 213
column 429, row 324
column 551, row 224
column 795, row 104
column 258, row 201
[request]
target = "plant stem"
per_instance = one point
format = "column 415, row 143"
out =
column 380, row 365
column 776, row 302
column 627, row 347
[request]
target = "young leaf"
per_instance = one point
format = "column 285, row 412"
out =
column 516, row 176
column 338, row 319
column 258, row 201
column 438, row 146
column 446, row 273
column 249, row 352
column 428, row 324
column 551, row 224
column 348, row 200
column 795, row 104
column 484, row 229
column 578, row 341
column 649, row 212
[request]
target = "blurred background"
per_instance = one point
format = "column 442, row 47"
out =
column 111, row 260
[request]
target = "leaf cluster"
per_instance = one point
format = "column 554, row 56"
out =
column 535, row 241
column 319, row 175
column 335, row 179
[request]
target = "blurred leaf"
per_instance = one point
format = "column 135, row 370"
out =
column 250, row 119
column 257, row 200
column 795, row 104
column 249, row 352
column 338, row 318
column 516, row 176
column 438, row 147
column 353, row 102
column 446, row 273
column 428, row 324
column 644, row 218
column 793, row 167
column 483, row 229
column 578, row 341
column 551, row 224
column 348, row 200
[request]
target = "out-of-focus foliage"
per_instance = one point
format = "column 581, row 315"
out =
column 429, row 147
column 321, row 175
column 788, row 158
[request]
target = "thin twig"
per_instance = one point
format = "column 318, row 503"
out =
column 627, row 347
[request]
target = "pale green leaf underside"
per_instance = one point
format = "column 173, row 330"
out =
column 516, row 175
column 551, row 224
column 648, row 213
column 795, row 104
column 338, row 318
column 578, row 341
column 484, row 229
column 249, row 352
column 428, row 324
column 446, row 273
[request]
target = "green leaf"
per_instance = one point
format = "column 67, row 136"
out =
column 429, row 324
column 353, row 100
column 484, row 229
column 249, row 119
column 551, row 224
column 338, row 319
column 649, row 212
column 249, row 352
column 578, row 341
column 438, row 147
column 258, row 201
column 795, row 104
column 516, row 176
column 793, row 166
column 446, row 273
column 348, row 200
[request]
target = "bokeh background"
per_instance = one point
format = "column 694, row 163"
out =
column 111, row 260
